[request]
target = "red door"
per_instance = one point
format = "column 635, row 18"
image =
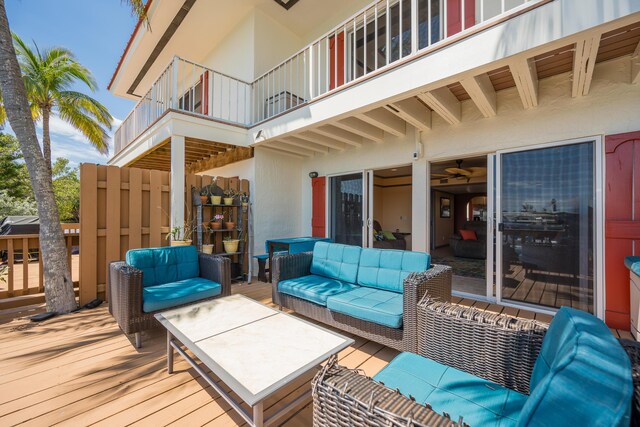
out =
column 622, row 222
column 319, row 186
column 454, row 15
column 336, row 61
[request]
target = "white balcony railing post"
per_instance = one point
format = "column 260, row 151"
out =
column 311, row 79
column 174, row 83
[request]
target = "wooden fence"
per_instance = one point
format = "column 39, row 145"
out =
column 21, row 256
column 126, row 208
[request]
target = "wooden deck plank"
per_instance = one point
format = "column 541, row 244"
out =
column 80, row 369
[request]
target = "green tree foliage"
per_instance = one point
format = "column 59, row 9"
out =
column 66, row 186
column 14, row 177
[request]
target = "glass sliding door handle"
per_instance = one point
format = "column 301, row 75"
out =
column 500, row 227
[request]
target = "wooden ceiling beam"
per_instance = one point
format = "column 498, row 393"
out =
column 526, row 78
column 444, row 103
column 482, row 94
column 284, row 153
column 584, row 62
column 292, row 140
column 281, row 145
column 413, row 112
column 219, row 160
column 383, row 119
column 364, row 129
column 321, row 140
column 340, row 135
column 635, row 65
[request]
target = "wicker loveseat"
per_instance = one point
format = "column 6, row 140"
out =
column 372, row 293
column 483, row 369
column 156, row 279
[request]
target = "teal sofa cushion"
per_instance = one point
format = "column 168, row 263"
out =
column 168, row 295
column 314, row 288
column 386, row 268
column 373, row 305
column 480, row 402
column 581, row 377
column 336, row 261
column 166, row 264
column 633, row 264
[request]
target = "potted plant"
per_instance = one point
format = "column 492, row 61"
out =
column 244, row 199
column 216, row 222
column 230, row 244
column 180, row 235
column 229, row 225
column 204, row 195
column 207, row 248
column 229, row 195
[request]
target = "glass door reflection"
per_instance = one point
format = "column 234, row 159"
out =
column 346, row 207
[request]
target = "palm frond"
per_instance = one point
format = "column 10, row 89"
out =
column 139, row 9
column 87, row 105
column 87, row 125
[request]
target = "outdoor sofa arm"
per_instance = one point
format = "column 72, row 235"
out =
column 346, row 397
column 217, row 269
column 125, row 295
column 288, row 267
column 435, row 282
column 632, row 348
column 493, row 346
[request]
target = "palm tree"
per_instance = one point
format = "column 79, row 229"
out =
column 59, row 292
column 48, row 76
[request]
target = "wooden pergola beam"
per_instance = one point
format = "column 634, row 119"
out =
column 635, row 65
column 526, row 77
column 364, row 129
column 383, row 119
column 584, row 62
column 340, row 135
column 321, row 140
column 222, row 159
column 412, row 111
column 292, row 140
column 482, row 93
column 281, row 145
column 444, row 103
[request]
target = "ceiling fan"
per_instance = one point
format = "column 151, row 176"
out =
column 459, row 173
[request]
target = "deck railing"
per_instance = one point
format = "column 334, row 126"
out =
column 20, row 257
column 372, row 40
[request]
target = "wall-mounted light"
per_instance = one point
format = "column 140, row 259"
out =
column 313, row 174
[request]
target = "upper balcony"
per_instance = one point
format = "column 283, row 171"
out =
column 378, row 38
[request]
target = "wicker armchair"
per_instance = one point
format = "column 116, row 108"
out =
column 125, row 292
column 436, row 282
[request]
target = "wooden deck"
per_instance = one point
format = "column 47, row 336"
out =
column 80, row 369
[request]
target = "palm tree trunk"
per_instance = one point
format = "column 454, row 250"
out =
column 58, row 286
column 46, row 138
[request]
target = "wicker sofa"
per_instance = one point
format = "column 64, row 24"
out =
column 156, row 279
column 372, row 293
column 508, row 372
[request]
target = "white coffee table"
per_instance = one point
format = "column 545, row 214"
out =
column 254, row 349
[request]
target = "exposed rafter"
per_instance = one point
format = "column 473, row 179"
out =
column 322, row 140
column 413, row 112
column 482, row 94
column 526, row 78
column 444, row 103
column 281, row 145
column 383, row 119
column 584, row 62
column 235, row 155
column 282, row 152
column 340, row 135
column 635, row 65
column 292, row 140
column 364, row 129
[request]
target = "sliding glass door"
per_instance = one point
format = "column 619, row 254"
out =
column 346, row 206
column 546, row 214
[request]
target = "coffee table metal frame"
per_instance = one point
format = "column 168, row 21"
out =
column 175, row 339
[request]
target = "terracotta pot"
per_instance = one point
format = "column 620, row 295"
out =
column 215, row 225
column 204, row 199
column 216, row 200
column 231, row 246
column 207, row 249
column 180, row 242
column 228, row 200
column 229, row 225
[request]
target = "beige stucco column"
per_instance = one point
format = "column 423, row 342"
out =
column 177, row 181
column 420, row 201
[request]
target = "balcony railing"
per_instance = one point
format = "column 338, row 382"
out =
column 372, row 40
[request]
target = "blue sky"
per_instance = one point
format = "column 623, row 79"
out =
column 97, row 32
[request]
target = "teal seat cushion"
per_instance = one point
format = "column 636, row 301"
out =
column 168, row 295
column 386, row 268
column 373, row 305
column 166, row 264
column 633, row 264
column 480, row 402
column 314, row 288
column 583, row 367
column 336, row 261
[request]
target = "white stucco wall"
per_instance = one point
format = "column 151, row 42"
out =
column 273, row 43
column 613, row 106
